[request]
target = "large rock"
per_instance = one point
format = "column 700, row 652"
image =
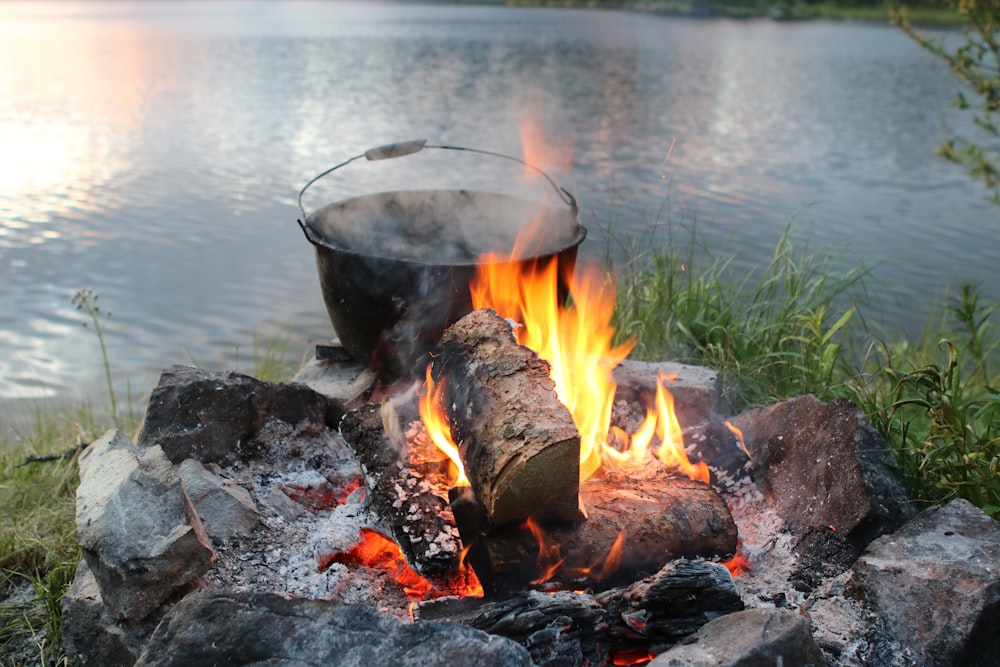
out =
column 216, row 628
column 214, row 417
column 822, row 465
column 138, row 531
column 224, row 509
column 935, row 585
column 90, row 636
column 751, row 638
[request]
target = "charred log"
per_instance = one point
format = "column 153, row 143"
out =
column 416, row 513
column 632, row 528
column 569, row 628
column 519, row 444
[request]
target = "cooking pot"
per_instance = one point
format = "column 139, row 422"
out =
column 395, row 267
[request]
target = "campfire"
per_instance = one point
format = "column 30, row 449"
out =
column 518, row 475
column 544, row 488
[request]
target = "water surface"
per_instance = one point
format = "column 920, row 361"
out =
column 153, row 151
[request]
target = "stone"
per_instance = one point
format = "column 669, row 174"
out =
column 241, row 628
column 90, row 636
column 342, row 381
column 935, row 585
column 752, row 638
column 214, row 416
column 287, row 509
column 824, row 465
column 137, row 529
column 695, row 389
column 224, row 509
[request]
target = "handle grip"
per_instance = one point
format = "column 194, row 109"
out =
column 402, row 148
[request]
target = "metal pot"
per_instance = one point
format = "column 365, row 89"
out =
column 395, row 267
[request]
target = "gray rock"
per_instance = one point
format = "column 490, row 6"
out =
column 822, row 465
column 216, row 628
column 342, row 381
column 224, row 509
column 751, row 638
column 287, row 509
column 138, row 531
column 214, row 416
column 935, row 585
column 90, row 636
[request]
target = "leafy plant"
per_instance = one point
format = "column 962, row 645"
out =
column 976, row 63
column 944, row 418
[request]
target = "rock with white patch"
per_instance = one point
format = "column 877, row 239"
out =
column 138, row 531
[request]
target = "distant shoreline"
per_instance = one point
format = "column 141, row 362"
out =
column 778, row 10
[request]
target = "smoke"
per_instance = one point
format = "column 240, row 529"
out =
column 439, row 227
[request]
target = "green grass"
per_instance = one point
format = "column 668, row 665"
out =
column 38, row 533
column 796, row 327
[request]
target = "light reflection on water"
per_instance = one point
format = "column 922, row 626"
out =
column 159, row 147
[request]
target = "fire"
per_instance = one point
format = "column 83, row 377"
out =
column 550, row 559
column 438, row 429
column 377, row 552
column 577, row 341
column 739, row 438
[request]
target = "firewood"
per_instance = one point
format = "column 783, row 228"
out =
column 519, row 445
column 417, row 514
column 569, row 627
column 654, row 520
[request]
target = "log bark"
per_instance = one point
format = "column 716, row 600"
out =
column 657, row 520
column 571, row 628
column 400, row 493
column 519, row 445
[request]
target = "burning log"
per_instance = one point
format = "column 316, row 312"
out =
column 417, row 515
column 519, row 444
column 579, row 628
column 632, row 527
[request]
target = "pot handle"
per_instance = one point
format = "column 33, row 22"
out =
column 399, row 149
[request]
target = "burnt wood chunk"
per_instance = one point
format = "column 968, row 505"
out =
column 569, row 627
column 400, row 493
column 519, row 445
column 632, row 527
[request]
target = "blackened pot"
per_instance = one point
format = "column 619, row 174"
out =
column 395, row 267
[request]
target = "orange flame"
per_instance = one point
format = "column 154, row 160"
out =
column 550, row 560
column 377, row 552
column 739, row 438
column 577, row 341
column 438, row 429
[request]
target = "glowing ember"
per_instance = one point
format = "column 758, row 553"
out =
column 633, row 656
column 377, row 552
column 438, row 430
column 738, row 565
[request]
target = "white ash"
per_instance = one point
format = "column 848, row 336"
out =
column 281, row 556
column 839, row 622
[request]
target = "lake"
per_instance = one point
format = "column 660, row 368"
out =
column 153, row 151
